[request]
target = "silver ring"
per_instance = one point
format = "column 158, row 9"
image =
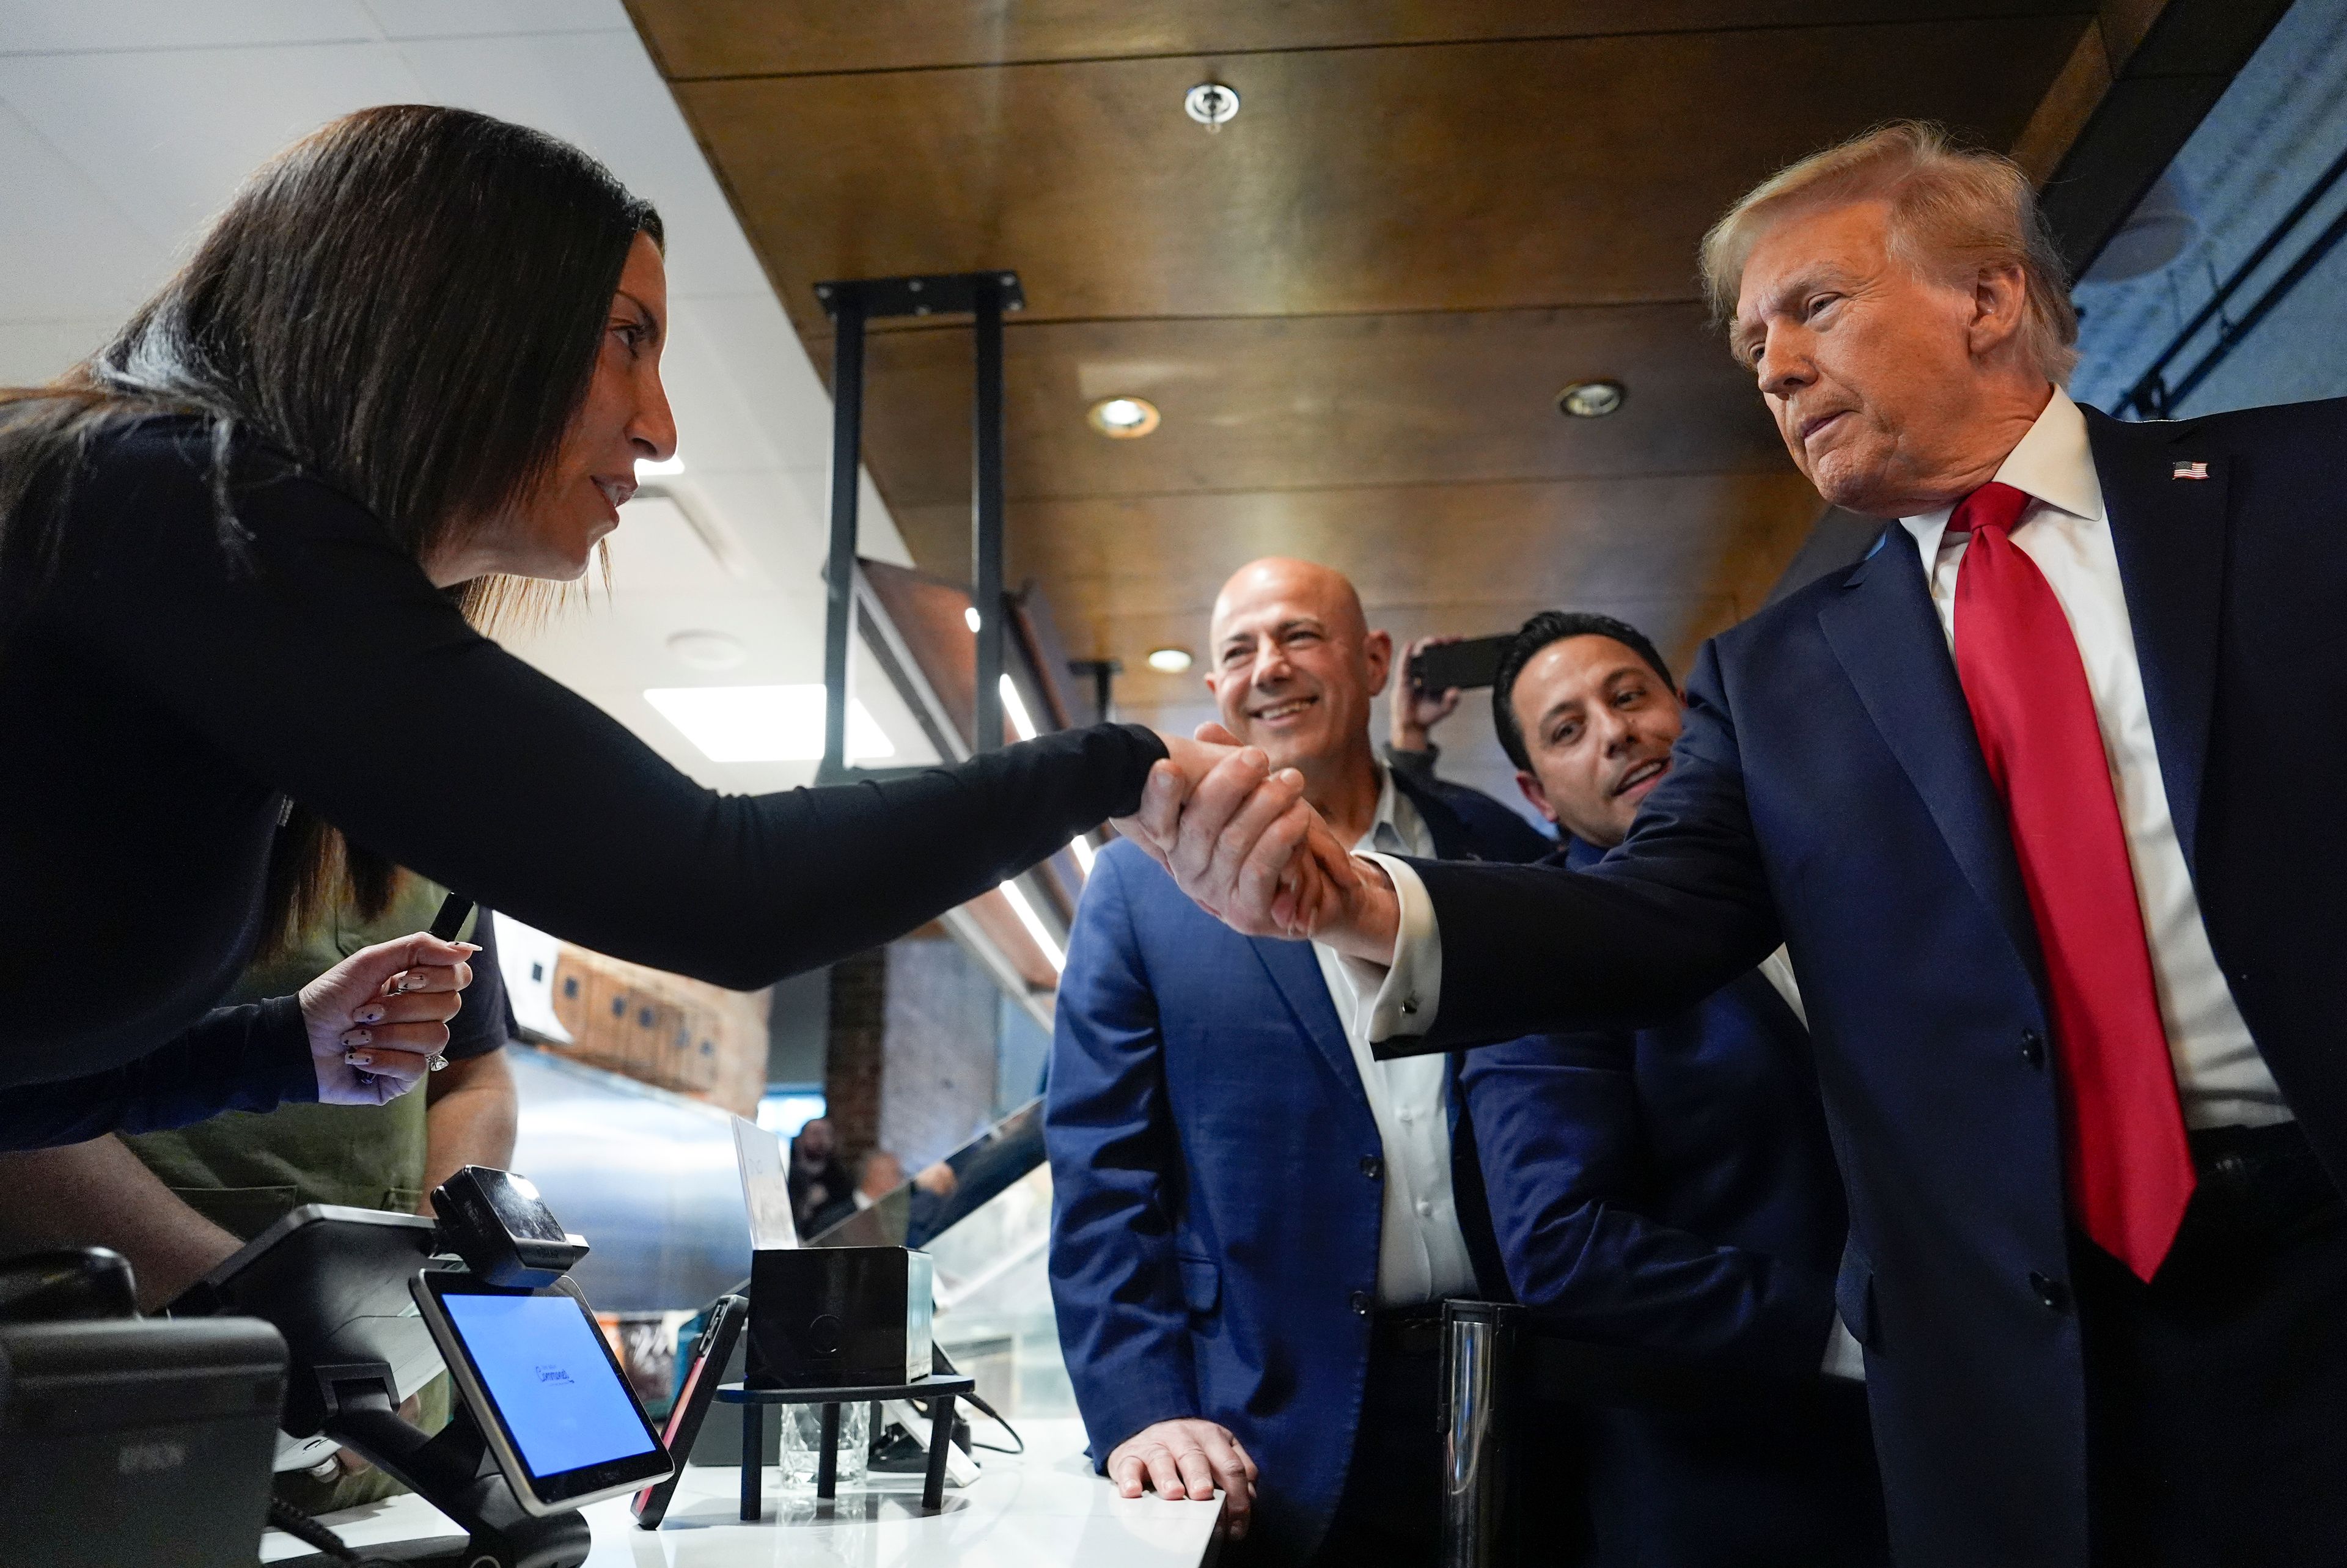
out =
column 436, row 1062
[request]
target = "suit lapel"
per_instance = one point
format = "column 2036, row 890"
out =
column 1295, row 971
column 2170, row 534
column 1887, row 635
column 1444, row 827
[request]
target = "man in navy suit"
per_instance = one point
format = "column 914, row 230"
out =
column 2043, row 796
column 1244, row 1263
column 1672, row 1189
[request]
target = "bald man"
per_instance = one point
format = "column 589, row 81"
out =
column 1247, row 1262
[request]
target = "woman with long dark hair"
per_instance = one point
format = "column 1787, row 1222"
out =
column 414, row 361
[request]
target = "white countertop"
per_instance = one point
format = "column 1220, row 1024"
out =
column 1045, row 1510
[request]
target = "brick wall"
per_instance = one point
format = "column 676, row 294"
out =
column 856, row 1051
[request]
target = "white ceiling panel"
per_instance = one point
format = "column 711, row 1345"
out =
column 65, row 250
column 170, row 133
column 594, row 90
column 32, row 353
column 760, row 507
column 769, row 371
column 47, row 27
column 474, row 18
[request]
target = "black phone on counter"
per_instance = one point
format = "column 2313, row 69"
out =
column 702, row 1369
column 538, row 1375
column 1461, row 665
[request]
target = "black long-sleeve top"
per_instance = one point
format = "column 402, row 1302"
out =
column 161, row 694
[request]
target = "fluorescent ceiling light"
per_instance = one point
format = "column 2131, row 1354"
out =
column 1023, row 726
column 764, row 724
column 1035, row 927
column 647, row 469
column 1083, row 846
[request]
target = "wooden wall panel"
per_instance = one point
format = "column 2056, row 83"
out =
column 1300, row 402
column 1689, row 553
column 792, row 38
column 1474, row 176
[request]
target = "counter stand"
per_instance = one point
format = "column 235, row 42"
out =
column 940, row 1391
column 452, row 1471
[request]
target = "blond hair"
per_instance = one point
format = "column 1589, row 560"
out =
column 1953, row 211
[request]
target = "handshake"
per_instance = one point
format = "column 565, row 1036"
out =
column 1242, row 841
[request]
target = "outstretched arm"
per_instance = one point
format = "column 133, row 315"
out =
column 1468, row 953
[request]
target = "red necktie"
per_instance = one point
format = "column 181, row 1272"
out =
column 2130, row 1170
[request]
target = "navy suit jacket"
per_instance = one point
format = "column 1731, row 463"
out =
column 1217, row 1190
column 1673, row 1189
column 1828, row 792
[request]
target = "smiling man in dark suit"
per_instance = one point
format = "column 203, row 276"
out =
column 1246, row 1266
column 2043, row 798
column 1671, row 1190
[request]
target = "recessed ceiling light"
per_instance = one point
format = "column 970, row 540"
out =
column 646, row 469
column 764, row 724
column 1124, row 418
column 708, row 650
column 1172, row 660
column 1591, row 399
column 1211, row 104
column 970, row 616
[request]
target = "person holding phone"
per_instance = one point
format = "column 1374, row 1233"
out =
column 410, row 368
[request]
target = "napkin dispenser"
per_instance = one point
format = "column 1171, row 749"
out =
column 838, row 1318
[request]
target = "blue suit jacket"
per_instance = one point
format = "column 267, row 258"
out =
column 1830, row 791
column 1217, row 1190
column 1673, row 1189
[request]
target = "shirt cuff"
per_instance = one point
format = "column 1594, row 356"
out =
column 1402, row 996
column 1845, row 1357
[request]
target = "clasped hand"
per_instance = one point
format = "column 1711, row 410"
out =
column 378, row 1020
column 1242, row 841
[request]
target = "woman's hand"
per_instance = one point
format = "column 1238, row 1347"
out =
column 379, row 1020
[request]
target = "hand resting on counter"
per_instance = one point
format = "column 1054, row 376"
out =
column 1187, row 1458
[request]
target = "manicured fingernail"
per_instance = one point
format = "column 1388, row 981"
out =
column 411, row 982
column 367, row 1015
column 470, row 947
column 359, row 1057
column 358, row 1037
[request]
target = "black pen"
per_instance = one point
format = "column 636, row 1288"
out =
column 453, row 911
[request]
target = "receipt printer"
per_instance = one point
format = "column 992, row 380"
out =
column 128, row 1443
column 838, row 1318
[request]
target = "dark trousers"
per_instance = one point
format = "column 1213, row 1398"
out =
column 1390, row 1511
column 2217, row 1395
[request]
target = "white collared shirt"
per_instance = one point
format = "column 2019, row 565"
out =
column 2219, row 1075
column 1421, row 1254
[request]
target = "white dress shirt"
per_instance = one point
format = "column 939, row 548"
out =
column 1421, row 1254
column 2219, row 1075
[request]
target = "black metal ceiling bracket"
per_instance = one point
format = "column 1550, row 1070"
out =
column 851, row 304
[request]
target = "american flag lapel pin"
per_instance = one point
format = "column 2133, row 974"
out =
column 2189, row 471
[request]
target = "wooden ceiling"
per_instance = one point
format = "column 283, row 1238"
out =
column 1355, row 304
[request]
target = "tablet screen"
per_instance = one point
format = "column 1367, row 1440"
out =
column 542, row 1360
